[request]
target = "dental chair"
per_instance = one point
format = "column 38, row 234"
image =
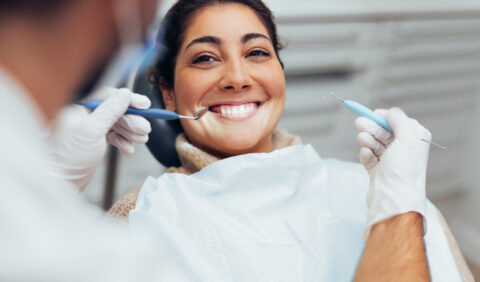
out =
column 161, row 141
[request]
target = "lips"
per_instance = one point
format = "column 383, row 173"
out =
column 240, row 111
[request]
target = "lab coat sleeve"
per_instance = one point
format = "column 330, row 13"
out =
column 48, row 238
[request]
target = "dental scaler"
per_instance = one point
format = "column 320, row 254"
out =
column 363, row 111
column 152, row 112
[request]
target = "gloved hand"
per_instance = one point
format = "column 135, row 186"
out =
column 81, row 136
column 396, row 163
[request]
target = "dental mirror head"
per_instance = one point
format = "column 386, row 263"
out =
column 198, row 114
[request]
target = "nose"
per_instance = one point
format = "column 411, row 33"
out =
column 236, row 77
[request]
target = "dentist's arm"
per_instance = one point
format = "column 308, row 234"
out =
column 395, row 251
column 81, row 139
column 396, row 198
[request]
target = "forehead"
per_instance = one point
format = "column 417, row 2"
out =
column 230, row 20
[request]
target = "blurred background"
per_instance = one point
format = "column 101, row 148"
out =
column 422, row 56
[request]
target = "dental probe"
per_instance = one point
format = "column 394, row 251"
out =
column 363, row 111
column 152, row 112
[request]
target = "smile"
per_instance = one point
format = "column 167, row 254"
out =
column 236, row 112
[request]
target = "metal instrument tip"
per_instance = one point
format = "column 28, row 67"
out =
column 200, row 113
column 434, row 144
column 333, row 94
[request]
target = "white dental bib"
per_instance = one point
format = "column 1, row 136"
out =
column 280, row 216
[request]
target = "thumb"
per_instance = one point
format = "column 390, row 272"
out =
column 398, row 121
column 111, row 110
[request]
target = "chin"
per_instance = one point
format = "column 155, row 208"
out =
column 228, row 141
column 238, row 144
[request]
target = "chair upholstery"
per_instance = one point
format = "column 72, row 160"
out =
column 161, row 141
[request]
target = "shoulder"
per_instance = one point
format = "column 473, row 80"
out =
column 128, row 202
column 125, row 204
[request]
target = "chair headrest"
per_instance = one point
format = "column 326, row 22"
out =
column 161, row 142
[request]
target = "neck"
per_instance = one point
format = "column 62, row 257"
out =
column 265, row 146
column 23, row 54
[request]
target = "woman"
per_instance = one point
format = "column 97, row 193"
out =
column 244, row 109
column 234, row 69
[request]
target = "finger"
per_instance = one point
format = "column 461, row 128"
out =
column 133, row 128
column 368, row 141
column 364, row 124
column 381, row 112
column 137, row 100
column 102, row 93
column 367, row 158
column 399, row 122
column 134, row 124
column 124, row 145
column 140, row 101
column 111, row 110
column 131, row 136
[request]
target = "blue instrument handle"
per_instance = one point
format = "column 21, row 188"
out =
column 366, row 112
column 154, row 113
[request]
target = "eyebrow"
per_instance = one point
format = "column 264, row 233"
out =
column 205, row 39
column 217, row 41
column 250, row 36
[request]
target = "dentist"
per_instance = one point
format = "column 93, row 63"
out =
column 48, row 52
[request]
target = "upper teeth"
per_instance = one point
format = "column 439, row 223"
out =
column 239, row 110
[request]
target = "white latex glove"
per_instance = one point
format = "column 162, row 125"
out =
column 396, row 163
column 81, row 136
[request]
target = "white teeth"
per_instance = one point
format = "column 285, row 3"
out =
column 240, row 110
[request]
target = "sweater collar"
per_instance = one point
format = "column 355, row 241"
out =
column 194, row 159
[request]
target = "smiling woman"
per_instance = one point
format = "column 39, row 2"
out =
column 223, row 55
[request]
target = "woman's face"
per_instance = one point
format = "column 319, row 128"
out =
column 227, row 63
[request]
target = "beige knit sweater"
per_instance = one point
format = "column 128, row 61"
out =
column 193, row 159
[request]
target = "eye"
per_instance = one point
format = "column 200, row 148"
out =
column 203, row 59
column 258, row 53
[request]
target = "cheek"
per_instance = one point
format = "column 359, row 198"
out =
column 194, row 85
column 274, row 85
column 277, row 82
column 272, row 80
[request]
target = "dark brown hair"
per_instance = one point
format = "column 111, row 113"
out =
column 175, row 24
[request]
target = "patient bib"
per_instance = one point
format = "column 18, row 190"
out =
column 281, row 216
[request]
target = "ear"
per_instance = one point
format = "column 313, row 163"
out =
column 169, row 99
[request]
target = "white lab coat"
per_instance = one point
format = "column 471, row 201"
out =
column 47, row 231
